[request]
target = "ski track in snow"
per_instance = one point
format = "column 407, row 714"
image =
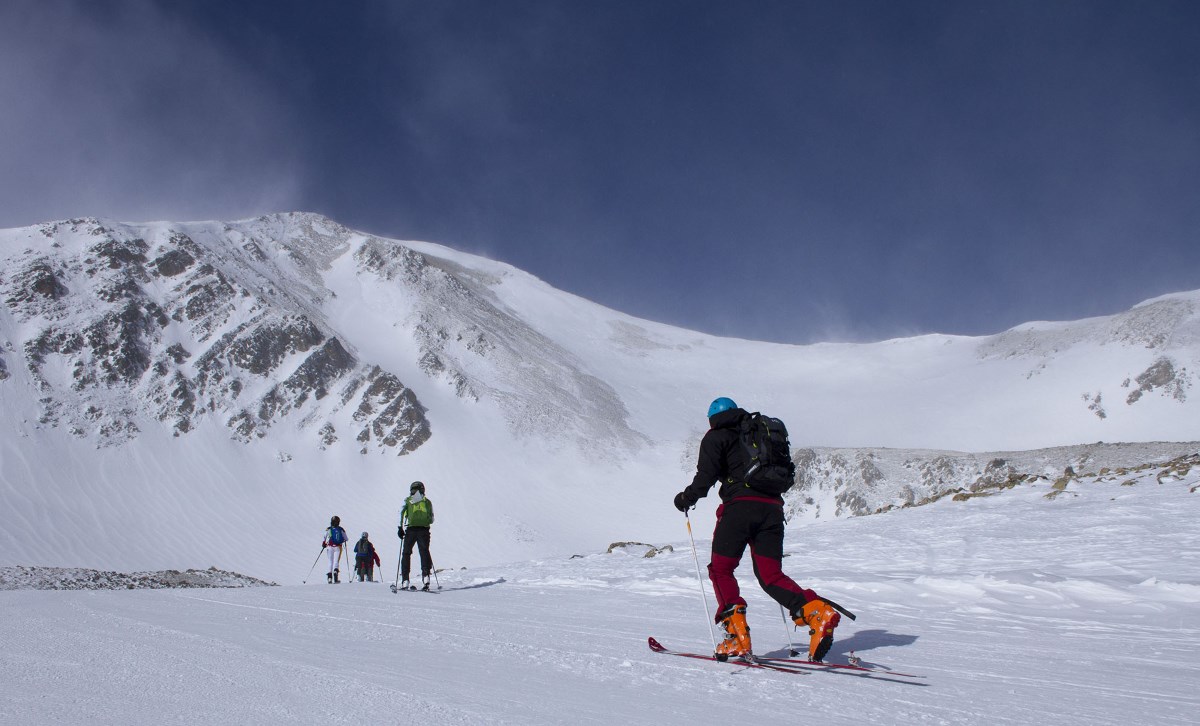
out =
column 1015, row 609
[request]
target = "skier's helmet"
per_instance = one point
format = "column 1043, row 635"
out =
column 417, row 487
column 364, row 535
column 335, row 521
column 719, row 405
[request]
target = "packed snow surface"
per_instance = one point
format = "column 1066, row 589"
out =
column 1075, row 605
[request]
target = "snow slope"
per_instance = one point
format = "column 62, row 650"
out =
column 190, row 395
column 1075, row 606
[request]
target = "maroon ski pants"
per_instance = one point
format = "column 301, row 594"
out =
column 758, row 523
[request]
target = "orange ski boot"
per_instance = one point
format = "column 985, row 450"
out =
column 737, row 634
column 820, row 619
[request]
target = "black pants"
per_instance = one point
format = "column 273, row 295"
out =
column 418, row 536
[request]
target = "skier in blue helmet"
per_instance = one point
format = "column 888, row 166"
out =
column 750, row 517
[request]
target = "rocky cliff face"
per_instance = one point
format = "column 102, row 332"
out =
column 118, row 329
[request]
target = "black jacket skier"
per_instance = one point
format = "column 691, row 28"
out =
column 748, row 517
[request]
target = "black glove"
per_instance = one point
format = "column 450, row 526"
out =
column 400, row 532
column 681, row 502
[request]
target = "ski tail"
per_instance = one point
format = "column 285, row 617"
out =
column 837, row 607
column 751, row 663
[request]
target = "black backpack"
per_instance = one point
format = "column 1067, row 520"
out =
column 770, row 469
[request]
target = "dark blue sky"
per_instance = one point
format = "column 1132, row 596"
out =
column 792, row 171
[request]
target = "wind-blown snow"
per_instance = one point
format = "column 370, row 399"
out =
column 1078, row 608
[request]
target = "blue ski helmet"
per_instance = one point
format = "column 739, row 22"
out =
column 719, row 405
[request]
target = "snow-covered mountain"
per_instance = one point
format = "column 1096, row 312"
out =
column 195, row 394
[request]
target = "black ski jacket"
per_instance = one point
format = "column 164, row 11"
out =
column 723, row 459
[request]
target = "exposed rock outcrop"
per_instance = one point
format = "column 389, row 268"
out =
column 853, row 482
column 131, row 326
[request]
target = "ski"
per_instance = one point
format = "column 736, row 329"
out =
column 821, row 665
column 411, row 589
column 795, row 665
column 839, row 608
column 657, row 648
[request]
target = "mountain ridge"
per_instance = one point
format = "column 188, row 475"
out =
column 177, row 367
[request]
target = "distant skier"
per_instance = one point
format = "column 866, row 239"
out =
column 416, row 516
column 335, row 544
column 365, row 559
column 747, row 516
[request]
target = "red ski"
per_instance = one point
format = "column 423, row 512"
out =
column 801, row 663
column 797, row 666
column 657, row 648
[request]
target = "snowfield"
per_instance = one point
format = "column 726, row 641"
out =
column 1076, row 606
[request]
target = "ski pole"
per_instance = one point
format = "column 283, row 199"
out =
column 433, row 569
column 305, row 580
column 700, row 581
column 400, row 556
column 792, row 652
